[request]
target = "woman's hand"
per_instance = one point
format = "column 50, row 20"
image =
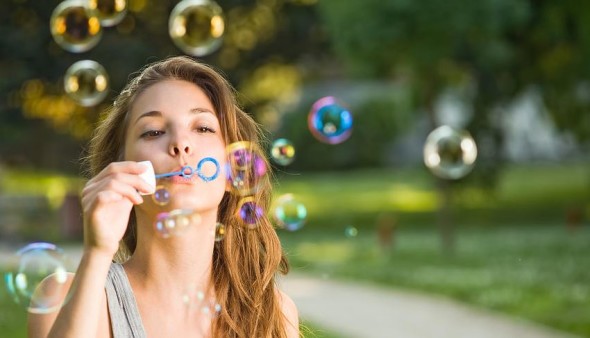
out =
column 107, row 200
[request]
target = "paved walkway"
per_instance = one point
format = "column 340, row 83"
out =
column 366, row 311
column 362, row 311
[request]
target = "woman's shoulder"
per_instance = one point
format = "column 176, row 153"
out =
column 290, row 312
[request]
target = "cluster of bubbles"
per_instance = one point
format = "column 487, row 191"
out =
column 175, row 222
column 194, row 298
column 37, row 278
column 195, row 26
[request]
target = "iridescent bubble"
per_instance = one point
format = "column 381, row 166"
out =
column 196, row 26
column 282, row 151
column 39, row 281
column 211, row 308
column 246, row 168
column 289, row 213
column 329, row 121
column 108, row 12
column 219, row 232
column 161, row 196
column 351, row 231
column 73, row 27
column 175, row 222
column 250, row 212
column 449, row 153
column 86, row 82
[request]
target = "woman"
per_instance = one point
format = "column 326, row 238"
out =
column 175, row 113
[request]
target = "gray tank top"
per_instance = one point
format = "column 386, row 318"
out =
column 123, row 311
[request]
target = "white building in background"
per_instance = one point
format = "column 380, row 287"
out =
column 529, row 133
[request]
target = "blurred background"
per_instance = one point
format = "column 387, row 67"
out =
column 509, row 232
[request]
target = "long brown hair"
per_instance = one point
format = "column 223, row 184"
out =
column 245, row 261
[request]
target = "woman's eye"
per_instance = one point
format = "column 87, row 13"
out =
column 205, row 129
column 152, row 133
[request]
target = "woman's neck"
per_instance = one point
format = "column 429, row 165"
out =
column 179, row 263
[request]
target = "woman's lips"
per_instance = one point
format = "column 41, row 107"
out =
column 181, row 180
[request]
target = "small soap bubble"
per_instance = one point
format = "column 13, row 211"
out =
column 245, row 168
column 196, row 299
column 329, row 121
column 250, row 212
column 219, row 232
column 197, row 26
column 211, row 308
column 350, row 232
column 86, row 82
column 175, row 222
column 108, row 12
column 161, row 196
column 73, row 27
column 282, row 151
column 289, row 213
column 39, row 281
column 449, row 153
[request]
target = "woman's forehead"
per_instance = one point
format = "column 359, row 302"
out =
column 170, row 96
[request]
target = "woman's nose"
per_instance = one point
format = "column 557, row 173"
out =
column 180, row 146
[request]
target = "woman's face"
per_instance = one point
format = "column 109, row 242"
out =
column 173, row 124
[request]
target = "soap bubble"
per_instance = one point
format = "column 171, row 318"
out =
column 282, row 151
column 196, row 26
column 195, row 298
column 219, row 232
column 73, row 27
column 39, row 281
column 351, row 231
column 175, row 222
column 449, row 153
column 246, row 168
column 249, row 211
column 86, row 82
column 108, row 12
column 289, row 213
column 161, row 196
column 329, row 121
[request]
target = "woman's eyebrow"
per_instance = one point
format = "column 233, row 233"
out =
column 201, row 110
column 157, row 113
column 149, row 113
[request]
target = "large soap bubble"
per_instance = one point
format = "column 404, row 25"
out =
column 196, row 26
column 449, row 153
column 289, row 213
column 246, row 168
column 73, row 27
column 329, row 121
column 86, row 82
column 38, row 281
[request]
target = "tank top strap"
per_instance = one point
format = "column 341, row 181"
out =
column 123, row 311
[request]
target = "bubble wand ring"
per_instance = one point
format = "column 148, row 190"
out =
column 200, row 165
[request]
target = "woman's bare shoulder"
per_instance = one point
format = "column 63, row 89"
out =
column 291, row 314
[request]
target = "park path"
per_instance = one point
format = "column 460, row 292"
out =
column 359, row 310
column 367, row 311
